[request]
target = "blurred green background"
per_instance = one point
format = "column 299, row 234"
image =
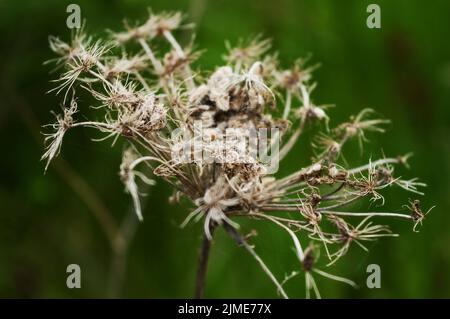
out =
column 70, row 214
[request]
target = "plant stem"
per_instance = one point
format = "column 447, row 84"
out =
column 203, row 264
column 242, row 242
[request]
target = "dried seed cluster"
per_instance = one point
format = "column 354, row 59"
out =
column 145, row 95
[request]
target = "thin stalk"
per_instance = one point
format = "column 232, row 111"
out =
column 382, row 214
column 374, row 164
column 203, row 264
column 156, row 64
column 241, row 241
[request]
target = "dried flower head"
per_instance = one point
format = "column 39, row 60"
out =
column 54, row 140
column 217, row 137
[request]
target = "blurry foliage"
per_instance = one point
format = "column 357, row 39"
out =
column 400, row 70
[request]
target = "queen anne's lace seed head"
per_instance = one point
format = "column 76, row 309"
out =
column 206, row 133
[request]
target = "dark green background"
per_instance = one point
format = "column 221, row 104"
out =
column 401, row 70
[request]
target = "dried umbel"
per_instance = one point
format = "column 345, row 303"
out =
column 147, row 97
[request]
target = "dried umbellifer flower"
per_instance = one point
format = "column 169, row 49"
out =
column 149, row 98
